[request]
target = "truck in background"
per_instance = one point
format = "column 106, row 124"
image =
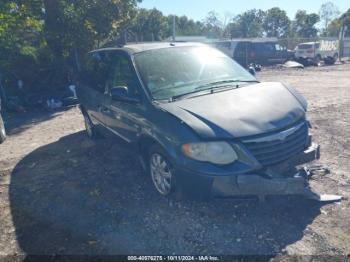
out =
column 315, row 52
column 264, row 51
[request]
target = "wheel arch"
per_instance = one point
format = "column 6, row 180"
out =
column 146, row 141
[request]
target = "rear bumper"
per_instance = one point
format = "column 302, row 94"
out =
column 276, row 180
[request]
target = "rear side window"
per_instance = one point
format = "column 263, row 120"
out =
column 268, row 47
column 96, row 71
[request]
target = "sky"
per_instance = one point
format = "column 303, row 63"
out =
column 198, row 9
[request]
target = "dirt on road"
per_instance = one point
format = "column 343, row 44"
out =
column 61, row 193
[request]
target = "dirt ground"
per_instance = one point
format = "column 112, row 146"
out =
column 61, row 193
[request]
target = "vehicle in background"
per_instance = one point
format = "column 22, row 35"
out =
column 260, row 52
column 315, row 52
column 202, row 125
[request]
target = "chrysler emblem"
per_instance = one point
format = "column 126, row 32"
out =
column 278, row 136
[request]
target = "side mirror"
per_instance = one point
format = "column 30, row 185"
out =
column 121, row 93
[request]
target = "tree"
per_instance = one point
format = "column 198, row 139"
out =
column 212, row 25
column 84, row 24
column 20, row 33
column 304, row 24
column 156, row 24
column 148, row 25
column 276, row 23
column 248, row 24
column 46, row 36
column 328, row 12
column 334, row 26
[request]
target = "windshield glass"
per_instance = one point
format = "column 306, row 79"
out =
column 176, row 71
column 305, row 46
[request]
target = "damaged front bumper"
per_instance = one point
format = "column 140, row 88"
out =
column 283, row 179
column 276, row 180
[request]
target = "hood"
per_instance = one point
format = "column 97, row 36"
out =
column 245, row 111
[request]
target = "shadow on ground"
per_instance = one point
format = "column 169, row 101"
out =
column 15, row 123
column 79, row 197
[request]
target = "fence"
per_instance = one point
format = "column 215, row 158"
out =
column 344, row 44
column 344, row 48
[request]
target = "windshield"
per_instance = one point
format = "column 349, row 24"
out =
column 176, row 71
column 305, row 46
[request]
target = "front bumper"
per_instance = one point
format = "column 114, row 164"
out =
column 305, row 59
column 282, row 179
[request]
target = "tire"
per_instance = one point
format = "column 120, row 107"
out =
column 2, row 130
column 332, row 60
column 89, row 127
column 317, row 60
column 161, row 171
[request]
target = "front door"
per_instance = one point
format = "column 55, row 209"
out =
column 123, row 117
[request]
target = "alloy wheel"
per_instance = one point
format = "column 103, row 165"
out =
column 161, row 174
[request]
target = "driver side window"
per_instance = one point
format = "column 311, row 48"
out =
column 122, row 74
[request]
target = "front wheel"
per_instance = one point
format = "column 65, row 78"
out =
column 161, row 171
column 331, row 60
column 2, row 131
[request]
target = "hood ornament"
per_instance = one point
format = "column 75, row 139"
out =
column 282, row 135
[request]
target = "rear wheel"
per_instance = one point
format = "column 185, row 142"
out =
column 2, row 131
column 331, row 60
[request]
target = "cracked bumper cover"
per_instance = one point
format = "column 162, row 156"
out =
column 258, row 183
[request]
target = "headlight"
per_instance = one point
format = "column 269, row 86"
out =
column 215, row 152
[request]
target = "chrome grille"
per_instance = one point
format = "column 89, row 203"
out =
column 275, row 148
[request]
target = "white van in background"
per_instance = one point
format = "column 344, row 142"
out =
column 315, row 52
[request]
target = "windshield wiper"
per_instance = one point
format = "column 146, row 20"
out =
column 213, row 85
column 173, row 98
column 218, row 83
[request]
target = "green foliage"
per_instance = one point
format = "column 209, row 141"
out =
column 185, row 26
column 276, row 23
column 334, row 26
column 304, row 24
column 213, row 26
column 40, row 40
column 248, row 24
column 39, row 36
column 152, row 25
column 20, row 35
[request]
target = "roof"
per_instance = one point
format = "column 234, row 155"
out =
column 308, row 43
column 252, row 40
column 137, row 48
column 190, row 38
